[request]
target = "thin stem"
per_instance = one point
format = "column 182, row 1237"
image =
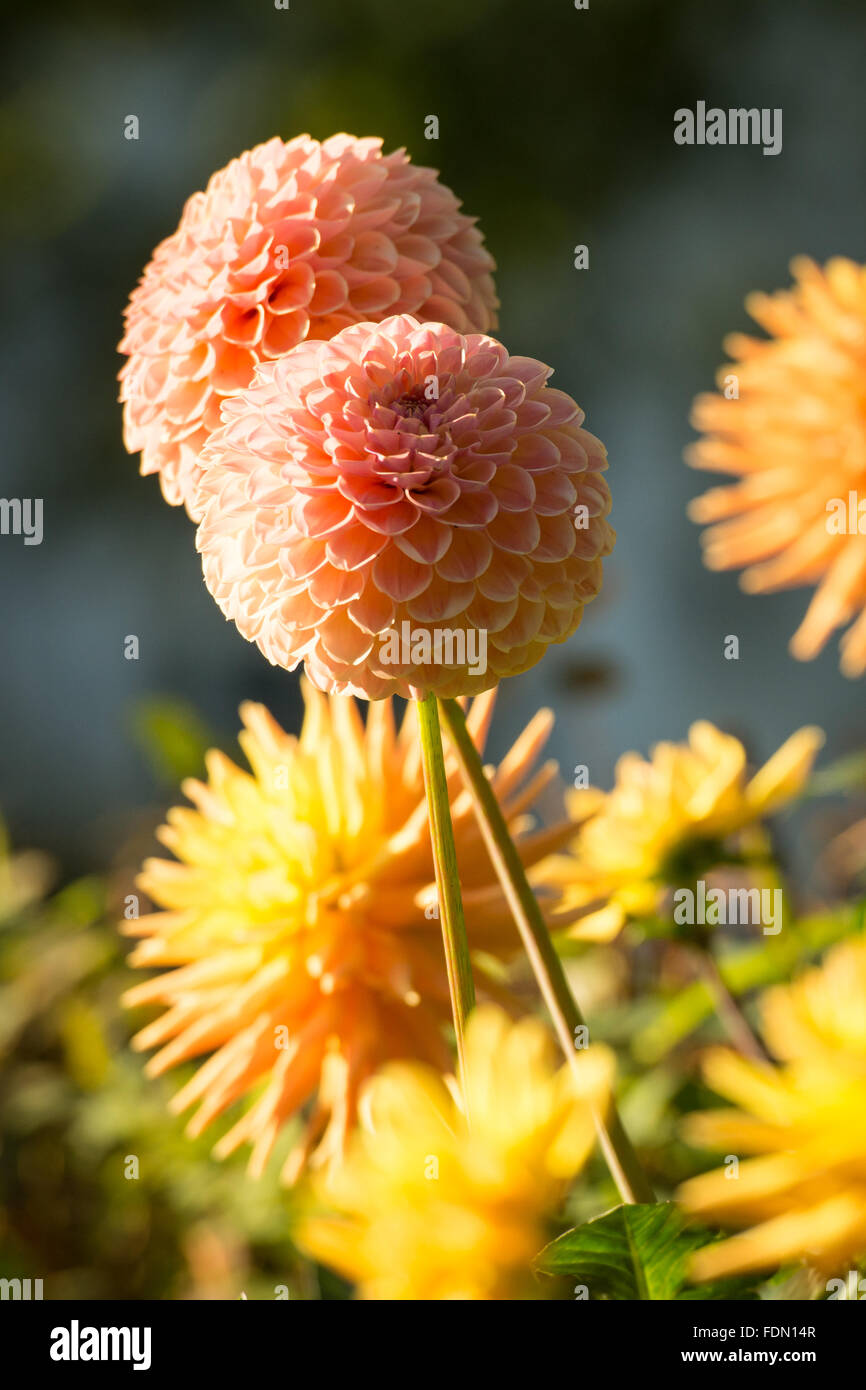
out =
column 621, row 1159
column 727, row 1007
column 458, row 964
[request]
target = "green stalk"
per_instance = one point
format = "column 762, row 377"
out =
column 630, row 1179
column 460, row 983
column 726, row 1005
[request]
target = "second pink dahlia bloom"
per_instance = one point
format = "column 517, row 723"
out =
column 290, row 241
column 398, row 482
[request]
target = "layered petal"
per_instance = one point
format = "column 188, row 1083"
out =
column 393, row 509
column 292, row 241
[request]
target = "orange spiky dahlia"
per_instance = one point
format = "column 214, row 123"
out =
column 300, row 925
column 293, row 240
column 796, row 437
column 399, row 486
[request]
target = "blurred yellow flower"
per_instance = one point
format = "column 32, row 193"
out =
column 789, row 423
column 302, row 918
column 665, row 817
column 805, row 1196
column 428, row 1206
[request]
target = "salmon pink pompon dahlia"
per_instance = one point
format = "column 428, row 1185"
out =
column 290, row 241
column 403, row 509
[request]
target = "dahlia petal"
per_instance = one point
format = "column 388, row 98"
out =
column 320, row 514
column 467, row 557
column 489, row 615
column 557, row 538
column 233, row 369
column 533, row 374
column 368, row 492
column 442, row 599
column 555, row 493
column 536, row 452
column 294, row 290
column 475, row 506
column 373, row 611
column 562, row 409
column 353, row 547
column 426, row 541
column 302, row 557
column 374, row 253
column 334, row 588
column 399, row 575
column 284, row 332
column 439, row 497
column 341, row 638
column 416, row 253
column 502, row 579
column 393, row 520
column 330, row 293
column 374, row 297
column 513, row 488
column 242, row 328
column 515, row 531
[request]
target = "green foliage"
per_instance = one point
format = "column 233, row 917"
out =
column 669, row 1020
column 636, row 1252
column 172, row 736
column 76, row 1107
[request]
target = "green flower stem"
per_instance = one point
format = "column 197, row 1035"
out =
column 621, row 1159
column 460, row 983
column 727, row 1007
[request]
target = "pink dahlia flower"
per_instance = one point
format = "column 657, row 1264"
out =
column 403, row 508
column 288, row 242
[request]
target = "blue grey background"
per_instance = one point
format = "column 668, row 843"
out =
column 556, row 128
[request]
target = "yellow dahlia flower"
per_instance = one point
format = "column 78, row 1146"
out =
column 805, row 1195
column 795, row 438
column 428, row 1206
column 301, row 921
column 664, row 818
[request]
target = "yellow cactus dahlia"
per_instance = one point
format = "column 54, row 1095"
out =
column 664, row 815
column 300, row 924
column 789, row 426
column 429, row 1206
column 804, row 1194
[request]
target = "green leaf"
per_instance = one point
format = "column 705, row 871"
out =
column 172, row 737
column 844, row 775
column 636, row 1252
column 743, row 969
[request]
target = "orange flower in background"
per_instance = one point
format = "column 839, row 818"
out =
column 796, row 438
column 400, row 483
column 299, row 931
column 290, row 241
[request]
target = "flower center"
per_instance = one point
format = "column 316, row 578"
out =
column 412, row 402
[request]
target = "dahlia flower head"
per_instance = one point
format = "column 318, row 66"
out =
column 793, row 440
column 298, row 941
column 403, row 509
column 667, row 818
column 293, row 240
column 803, row 1193
column 428, row 1205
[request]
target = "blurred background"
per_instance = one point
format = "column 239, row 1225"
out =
column 556, row 128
